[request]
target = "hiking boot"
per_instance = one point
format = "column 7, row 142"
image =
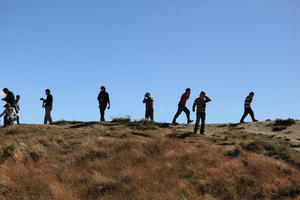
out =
column 242, row 122
column 174, row 123
column 190, row 121
column 255, row 120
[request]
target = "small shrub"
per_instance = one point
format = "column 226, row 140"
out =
column 121, row 119
column 286, row 123
column 279, row 128
column 6, row 153
column 252, row 147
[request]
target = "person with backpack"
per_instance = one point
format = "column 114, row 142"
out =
column 47, row 104
column 9, row 114
column 103, row 99
column 200, row 102
column 182, row 107
column 247, row 108
column 148, row 101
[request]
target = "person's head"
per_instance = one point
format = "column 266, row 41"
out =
column 18, row 97
column 188, row 90
column 251, row 94
column 5, row 90
column 103, row 88
column 47, row 91
column 202, row 94
column 147, row 94
column 6, row 105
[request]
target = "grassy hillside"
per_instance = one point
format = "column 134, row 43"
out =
column 149, row 161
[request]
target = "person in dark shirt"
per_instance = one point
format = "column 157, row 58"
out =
column 10, row 97
column 103, row 99
column 47, row 104
column 148, row 100
column 201, row 111
column 181, row 107
column 247, row 108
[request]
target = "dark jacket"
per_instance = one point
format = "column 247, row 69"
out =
column 103, row 98
column 10, row 98
column 49, row 101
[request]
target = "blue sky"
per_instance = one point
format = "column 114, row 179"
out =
column 226, row 48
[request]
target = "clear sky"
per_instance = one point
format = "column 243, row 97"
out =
column 226, row 48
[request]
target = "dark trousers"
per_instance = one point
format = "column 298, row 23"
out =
column 246, row 112
column 149, row 114
column 102, row 108
column 200, row 116
column 8, row 121
column 179, row 111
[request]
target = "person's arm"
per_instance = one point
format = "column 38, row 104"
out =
column 145, row 100
column 194, row 105
column 108, row 101
column 207, row 99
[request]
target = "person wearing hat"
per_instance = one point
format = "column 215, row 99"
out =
column 9, row 114
column 148, row 100
column 247, row 108
column 103, row 99
column 47, row 104
column 10, row 97
column 201, row 111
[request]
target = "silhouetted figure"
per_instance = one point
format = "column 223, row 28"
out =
column 103, row 99
column 248, row 109
column 181, row 107
column 17, row 106
column 47, row 104
column 10, row 97
column 201, row 114
column 9, row 114
column 148, row 100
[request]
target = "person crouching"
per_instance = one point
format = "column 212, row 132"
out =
column 9, row 114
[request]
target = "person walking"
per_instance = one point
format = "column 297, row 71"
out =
column 47, row 104
column 148, row 100
column 181, row 107
column 103, row 99
column 9, row 98
column 9, row 114
column 247, row 108
column 201, row 111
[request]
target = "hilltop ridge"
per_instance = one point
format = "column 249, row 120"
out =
column 146, row 160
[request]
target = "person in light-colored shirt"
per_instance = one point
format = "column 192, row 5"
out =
column 9, row 114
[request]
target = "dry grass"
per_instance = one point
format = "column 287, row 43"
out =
column 106, row 161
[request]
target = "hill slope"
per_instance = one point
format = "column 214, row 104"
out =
column 142, row 160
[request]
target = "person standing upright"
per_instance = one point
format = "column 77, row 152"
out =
column 181, row 107
column 201, row 111
column 148, row 100
column 47, row 104
column 247, row 108
column 103, row 99
column 10, row 97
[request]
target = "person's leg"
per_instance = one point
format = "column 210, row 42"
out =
column 18, row 119
column 244, row 115
column 102, row 112
column 179, row 111
column 202, row 116
column 197, row 122
column 49, row 115
column 187, row 112
column 152, row 115
column 46, row 116
column 252, row 115
column 147, row 114
column 5, row 121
